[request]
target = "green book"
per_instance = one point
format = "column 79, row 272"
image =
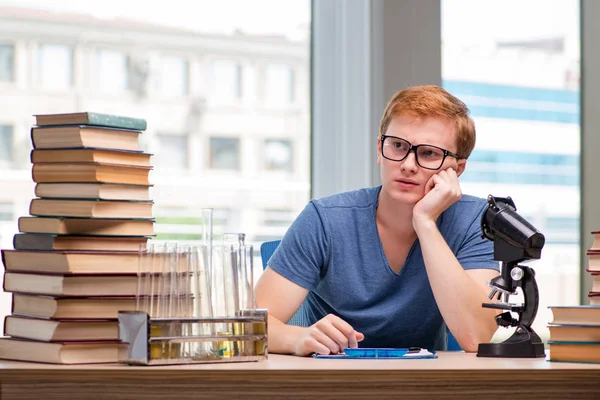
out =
column 91, row 118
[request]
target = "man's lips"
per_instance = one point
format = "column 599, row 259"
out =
column 406, row 182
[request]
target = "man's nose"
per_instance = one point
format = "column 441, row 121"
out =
column 410, row 162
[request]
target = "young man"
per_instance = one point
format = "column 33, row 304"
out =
column 390, row 266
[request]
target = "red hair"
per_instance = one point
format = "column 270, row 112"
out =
column 433, row 101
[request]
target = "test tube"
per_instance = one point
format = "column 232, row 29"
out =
column 207, row 233
column 144, row 277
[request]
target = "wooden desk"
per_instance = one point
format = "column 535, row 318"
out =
column 452, row 375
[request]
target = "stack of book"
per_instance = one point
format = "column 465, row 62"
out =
column 75, row 258
column 594, row 269
column 575, row 330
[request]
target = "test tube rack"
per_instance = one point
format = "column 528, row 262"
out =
column 169, row 341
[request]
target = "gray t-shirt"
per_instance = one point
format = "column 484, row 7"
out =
column 333, row 250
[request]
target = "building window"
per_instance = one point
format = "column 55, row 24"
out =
column 110, row 71
column 514, row 86
column 224, row 153
column 280, row 218
column 226, row 81
column 172, row 151
column 7, row 63
column 6, row 211
column 278, row 155
column 6, row 144
column 174, row 79
column 279, row 85
column 53, row 69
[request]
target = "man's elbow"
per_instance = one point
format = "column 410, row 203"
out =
column 469, row 342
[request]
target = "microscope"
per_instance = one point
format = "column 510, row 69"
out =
column 515, row 240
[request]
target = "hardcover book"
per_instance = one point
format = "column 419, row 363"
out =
column 59, row 353
column 71, row 262
column 575, row 333
column 64, row 136
column 133, row 158
column 87, row 226
column 47, row 330
column 96, row 191
column 91, row 118
column 71, row 285
column 575, row 315
column 588, row 352
column 90, row 172
column 68, row 308
column 91, row 208
column 36, row 241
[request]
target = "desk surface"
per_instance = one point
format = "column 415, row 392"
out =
column 451, row 375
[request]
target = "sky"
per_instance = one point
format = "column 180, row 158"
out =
column 480, row 20
column 464, row 21
column 214, row 16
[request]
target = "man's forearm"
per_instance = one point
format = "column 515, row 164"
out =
column 283, row 338
column 458, row 297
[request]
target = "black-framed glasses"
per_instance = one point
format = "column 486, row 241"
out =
column 427, row 156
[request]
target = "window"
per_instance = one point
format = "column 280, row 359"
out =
column 6, row 144
column 6, row 211
column 7, row 63
column 278, row 155
column 280, row 83
column 224, row 153
column 528, row 133
column 171, row 151
column 196, row 74
column 53, row 69
column 110, row 71
column 226, row 81
column 174, row 76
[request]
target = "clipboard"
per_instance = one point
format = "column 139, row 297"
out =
column 372, row 353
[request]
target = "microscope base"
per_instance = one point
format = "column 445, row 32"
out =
column 525, row 349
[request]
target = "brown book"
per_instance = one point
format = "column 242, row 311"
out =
column 71, row 262
column 595, row 280
column 71, row 307
column 594, row 298
column 91, row 208
column 575, row 333
column 574, row 352
column 71, row 285
column 87, row 226
column 59, row 353
column 65, row 285
column 575, row 315
column 596, row 243
column 48, row 330
column 91, row 118
column 87, row 155
column 97, row 191
column 36, row 241
column 66, row 137
column 593, row 260
column 90, row 173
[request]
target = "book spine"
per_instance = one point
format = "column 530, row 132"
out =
column 3, row 259
column 116, row 121
column 31, row 136
column 28, row 241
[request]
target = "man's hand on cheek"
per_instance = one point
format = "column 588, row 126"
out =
column 441, row 191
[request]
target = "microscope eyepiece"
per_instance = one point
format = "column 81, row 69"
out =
column 515, row 238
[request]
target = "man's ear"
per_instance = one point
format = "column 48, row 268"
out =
column 462, row 164
column 379, row 150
